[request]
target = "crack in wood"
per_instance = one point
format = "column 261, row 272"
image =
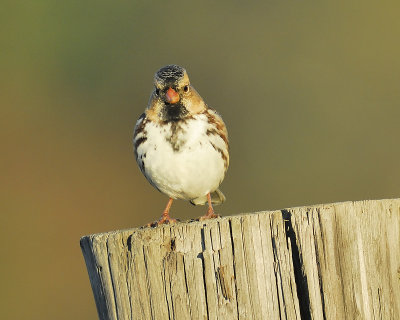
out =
column 203, row 246
column 300, row 277
column 186, row 285
column 234, row 265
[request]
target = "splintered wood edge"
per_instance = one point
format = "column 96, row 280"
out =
column 286, row 212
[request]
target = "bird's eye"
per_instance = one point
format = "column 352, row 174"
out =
column 157, row 91
column 186, row 88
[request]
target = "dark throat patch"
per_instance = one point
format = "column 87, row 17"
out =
column 173, row 112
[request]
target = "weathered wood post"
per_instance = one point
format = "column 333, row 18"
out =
column 335, row 261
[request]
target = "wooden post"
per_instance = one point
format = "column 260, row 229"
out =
column 334, row 261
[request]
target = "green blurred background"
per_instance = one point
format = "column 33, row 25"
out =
column 309, row 92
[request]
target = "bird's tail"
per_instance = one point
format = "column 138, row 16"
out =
column 217, row 197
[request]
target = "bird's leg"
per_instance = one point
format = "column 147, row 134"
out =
column 165, row 218
column 210, row 212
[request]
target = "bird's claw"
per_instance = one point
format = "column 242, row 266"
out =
column 163, row 220
column 209, row 216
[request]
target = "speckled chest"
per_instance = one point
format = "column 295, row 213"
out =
column 172, row 137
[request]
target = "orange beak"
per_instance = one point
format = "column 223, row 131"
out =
column 172, row 96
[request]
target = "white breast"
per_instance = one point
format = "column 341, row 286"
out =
column 181, row 160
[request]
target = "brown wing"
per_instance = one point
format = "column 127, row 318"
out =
column 139, row 138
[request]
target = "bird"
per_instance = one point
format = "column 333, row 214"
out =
column 180, row 144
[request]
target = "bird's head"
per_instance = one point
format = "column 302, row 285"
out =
column 173, row 98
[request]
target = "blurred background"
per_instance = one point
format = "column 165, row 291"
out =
column 309, row 92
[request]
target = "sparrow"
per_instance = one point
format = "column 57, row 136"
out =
column 180, row 144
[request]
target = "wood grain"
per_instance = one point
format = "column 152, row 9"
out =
column 335, row 261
